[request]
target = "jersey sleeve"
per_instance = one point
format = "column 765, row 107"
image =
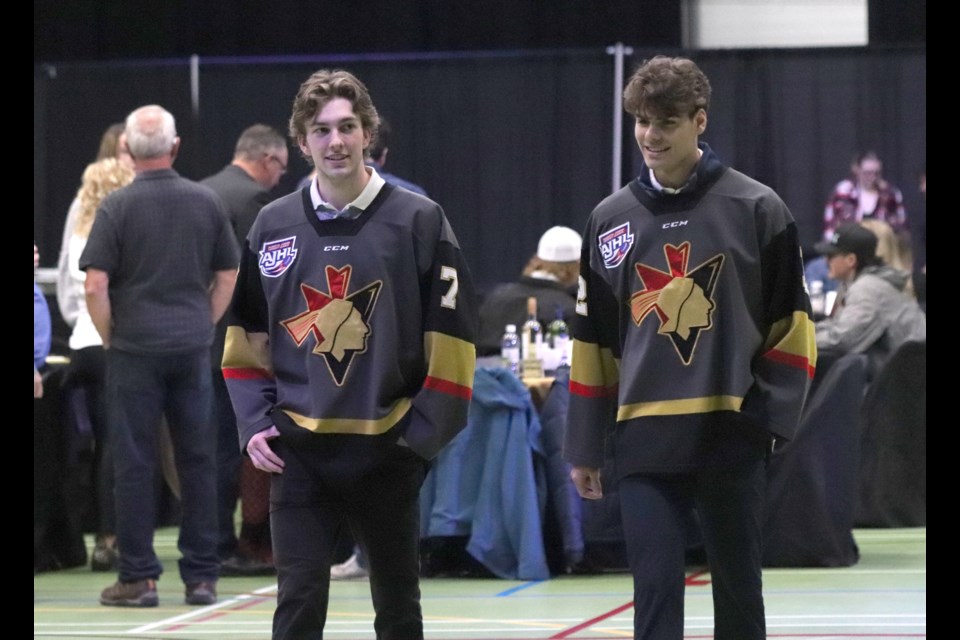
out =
column 786, row 364
column 247, row 366
column 450, row 329
column 594, row 372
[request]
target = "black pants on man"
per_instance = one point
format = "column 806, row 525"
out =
column 309, row 507
column 729, row 503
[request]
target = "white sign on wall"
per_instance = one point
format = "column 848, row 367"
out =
column 731, row 24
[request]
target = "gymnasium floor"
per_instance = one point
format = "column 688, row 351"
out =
column 883, row 596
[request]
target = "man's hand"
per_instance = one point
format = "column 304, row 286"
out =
column 587, row 482
column 37, row 384
column 261, row 454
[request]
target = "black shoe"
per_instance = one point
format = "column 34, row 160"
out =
column 104, row 557
column 237, row 565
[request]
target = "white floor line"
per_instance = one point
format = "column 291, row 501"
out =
column 203, row 610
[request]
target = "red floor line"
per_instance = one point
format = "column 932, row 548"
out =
column 692, row 579
column 589, row 623
column 246, row 604
column 243, row 604
column 195, row 621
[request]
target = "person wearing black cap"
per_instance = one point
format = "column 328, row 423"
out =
column 872, row 313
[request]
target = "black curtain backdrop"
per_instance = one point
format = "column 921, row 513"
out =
column 508, row 142
column 111, row 29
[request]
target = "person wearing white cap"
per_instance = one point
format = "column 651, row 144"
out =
column 550, row 276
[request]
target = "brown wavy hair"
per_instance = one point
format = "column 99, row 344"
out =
column 663, row 87
column 320, row 88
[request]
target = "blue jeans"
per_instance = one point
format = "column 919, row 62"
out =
column 140, row 389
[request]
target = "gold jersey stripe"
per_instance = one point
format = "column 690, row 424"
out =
column 350, row 425
column 244, row 350
column 795, row 335
column 449, row 358
column 679, row 407
column 596, row 367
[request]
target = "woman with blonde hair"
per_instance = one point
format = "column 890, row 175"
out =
column 890, row 248
column 112, row 145
column 86, row 371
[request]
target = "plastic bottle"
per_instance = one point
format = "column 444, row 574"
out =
column 510, row 349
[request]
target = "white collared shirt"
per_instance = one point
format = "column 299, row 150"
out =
column 326, row 211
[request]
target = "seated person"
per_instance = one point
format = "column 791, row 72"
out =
column 550, row 276
column 872, row 313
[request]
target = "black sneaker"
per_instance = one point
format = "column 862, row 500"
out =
column 142, row 593
column 237, row 565
column 201, row 593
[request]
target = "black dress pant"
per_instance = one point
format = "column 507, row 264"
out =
column 655, row 510
column 308, row 510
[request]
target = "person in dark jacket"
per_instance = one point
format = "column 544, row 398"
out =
column 550, row 276
column 245, row 185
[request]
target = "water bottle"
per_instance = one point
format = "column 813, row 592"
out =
column 510, row 349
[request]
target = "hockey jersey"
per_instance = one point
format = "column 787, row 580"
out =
column 349, row 333
column 693, row 328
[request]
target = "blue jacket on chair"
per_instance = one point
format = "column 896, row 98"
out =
column 484, row 483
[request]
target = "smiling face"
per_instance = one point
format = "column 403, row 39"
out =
column 669, row 145
column 335, row 140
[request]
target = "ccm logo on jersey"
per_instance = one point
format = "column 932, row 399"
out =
column 336, row 247
column 677, row 223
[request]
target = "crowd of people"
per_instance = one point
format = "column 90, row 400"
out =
column 318, row 348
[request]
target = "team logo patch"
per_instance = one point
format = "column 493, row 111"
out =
column 338, row 321
column 682, row 299
column 277, row 256
column 615, row 244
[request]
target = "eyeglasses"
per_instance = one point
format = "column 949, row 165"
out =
column 283, row 166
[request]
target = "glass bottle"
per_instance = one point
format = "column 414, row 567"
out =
column 531, row 335
column 558, row 334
